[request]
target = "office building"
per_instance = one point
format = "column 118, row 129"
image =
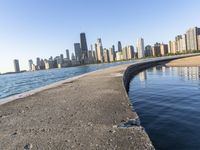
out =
column 106, row 55
column 16, row 65
column 34, row 67
column 125, row 53
column 111, row 54
column 84, row 48
column 78, row 53
column 156, row 50
column 184, row 43
column 119, row 56
column 192, row 34
column 99, row 51
column 93, row 53
column 130, row 52
column 42, row 64
column 140, row 47
column 73, row 57
column 91, row 56
column 38, row 63
column 30, row 62
column 61, row 58
column 67, row 54
column 119, row 46
column 113, row 47
column 163, row 49
column 73, row 60
column 172, row 47
column 46, row 63
column 59, row 61
column 198, row 41
column 178, row 40
column 148, row 51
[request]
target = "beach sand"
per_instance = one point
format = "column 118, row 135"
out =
column 185, row 62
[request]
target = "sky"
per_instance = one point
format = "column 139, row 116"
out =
column 44, row 28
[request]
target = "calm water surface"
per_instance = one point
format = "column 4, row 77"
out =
column 18, row 83
column 167, row 100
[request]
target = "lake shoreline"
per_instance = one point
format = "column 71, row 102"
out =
column 185, row 62
column 87, row 112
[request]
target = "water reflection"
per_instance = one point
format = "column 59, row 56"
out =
column 187, row 73
column 167, row 100
column 143, row 76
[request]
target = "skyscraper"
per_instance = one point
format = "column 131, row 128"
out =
column 125, row 53
column 106, row 55
column 113, row 47
column 140, row 47
column 99, row 49
column 184, row 42
column 78, row 53
column 111, row 54
column 130, row 52
column 84, row 47
column 178, row 40
column 16, row 65
column 163, row 49
column 38, row 63
column 119, row 46
column 30, row 62
column 198, row 41
column 148, row 51
column 67, row 54
column 192, row 34
column 73, row 57
column 156, row 50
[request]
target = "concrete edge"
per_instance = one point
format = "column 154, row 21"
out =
column 136, row 68
column 46, row 87
column 132, row 71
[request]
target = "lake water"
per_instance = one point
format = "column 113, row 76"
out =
column 13, row 84
column 167, row 100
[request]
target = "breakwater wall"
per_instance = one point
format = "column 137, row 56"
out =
column 134, row 69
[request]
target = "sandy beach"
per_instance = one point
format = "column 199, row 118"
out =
column 185, row 62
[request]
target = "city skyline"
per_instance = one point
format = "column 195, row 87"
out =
column 188, row 42
column 26, row 34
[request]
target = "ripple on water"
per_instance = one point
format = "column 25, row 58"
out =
column 12, row 84
column 167, row 100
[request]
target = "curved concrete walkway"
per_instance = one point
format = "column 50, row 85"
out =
column 91, row 112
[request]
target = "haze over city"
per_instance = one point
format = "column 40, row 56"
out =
column 30, row 29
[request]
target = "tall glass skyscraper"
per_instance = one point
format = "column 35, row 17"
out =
column 84, row 47
column 78, row 52
column 16, row 65
column 119, row 46
column 140, row 47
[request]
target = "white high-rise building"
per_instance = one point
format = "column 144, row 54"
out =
column 99, row 49
column 192, row 38
column 140, row 47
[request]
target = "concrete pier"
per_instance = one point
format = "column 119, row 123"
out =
column 90, row 112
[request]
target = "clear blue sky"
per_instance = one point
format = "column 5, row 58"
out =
column 44, row 28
